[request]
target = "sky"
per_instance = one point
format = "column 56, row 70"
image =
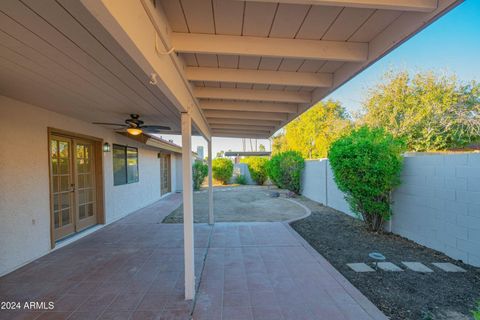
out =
column 450, row 45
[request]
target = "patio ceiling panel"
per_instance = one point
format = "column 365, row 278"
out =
column 270, row 50
column 51, row 59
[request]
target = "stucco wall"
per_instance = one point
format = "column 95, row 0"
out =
column 24, row 180
column 242, row 169
column 437, row 204
column 318, row 184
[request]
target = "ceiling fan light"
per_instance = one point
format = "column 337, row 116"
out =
column 134, row 131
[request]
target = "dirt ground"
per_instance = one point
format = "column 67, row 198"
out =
column 240, row 204
column 400, row 295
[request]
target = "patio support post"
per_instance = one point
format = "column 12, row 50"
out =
column 211, row 218
column 188, row 243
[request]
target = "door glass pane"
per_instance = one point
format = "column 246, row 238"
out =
column 81, row 211
column 85, row 180
column 55, row 184
column 65, row 183
column 65, row 217
column 65, row 200
column 63, row 149
column 56, row 202
column 90, row 209
column 56, row 218
column 64, row 166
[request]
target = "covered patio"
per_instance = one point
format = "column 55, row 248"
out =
column 133, row 269
column 210, row 68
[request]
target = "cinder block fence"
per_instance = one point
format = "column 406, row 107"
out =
column 437, row 204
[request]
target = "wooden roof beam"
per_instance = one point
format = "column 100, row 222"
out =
column 241, row 127
column 246, row 122
column 302, row 79
column 402, row 5
column 248, row 106
column 270, row 47
column 252, row 95
column 245, row 115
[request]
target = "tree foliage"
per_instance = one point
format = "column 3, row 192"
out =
column 431, row 112
column 257, row 167
column 285, row 170
column 199, row 172
column 222, row 169
column 312, row 133
column 366, row 166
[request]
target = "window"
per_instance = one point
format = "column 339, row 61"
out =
column 125, row 165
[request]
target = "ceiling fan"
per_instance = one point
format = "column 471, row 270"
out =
column 134, row 126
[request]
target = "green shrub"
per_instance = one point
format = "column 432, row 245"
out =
column 366, row 165
column 285, row 170
column 241, row 179
column 222, row 169
column 257, row 167
column 476, row 312
column 199, row 172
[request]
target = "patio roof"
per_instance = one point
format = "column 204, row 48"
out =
column 240, row 68
column 271, row 60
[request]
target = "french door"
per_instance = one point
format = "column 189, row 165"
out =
column 165, row 177
column 72, row 181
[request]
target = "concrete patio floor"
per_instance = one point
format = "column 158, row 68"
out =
column 133, row 269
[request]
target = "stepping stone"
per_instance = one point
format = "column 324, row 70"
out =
column 417, row 267
column 388, row 266
column 448, row 267
column 360, row 267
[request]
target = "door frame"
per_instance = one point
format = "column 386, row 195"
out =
column 98, row 159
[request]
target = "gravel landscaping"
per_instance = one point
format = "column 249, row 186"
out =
column 240, row 204
column 342, row 239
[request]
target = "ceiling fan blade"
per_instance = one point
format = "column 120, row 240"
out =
column 153, row 129
column 109, row 124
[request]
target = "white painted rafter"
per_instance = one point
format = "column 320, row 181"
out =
column 248, row 106
column 286, row 78
column 245, row 115
column 270, row 47
column 245, row 122
column 404, row 5
column 252, row 95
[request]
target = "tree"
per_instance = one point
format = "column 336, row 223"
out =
column 431, row 112
column 261, row 147
column 366, row 166
column 312, row 133
column 220, row 154
column 222, row 169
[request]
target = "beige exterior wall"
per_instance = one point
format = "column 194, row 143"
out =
column 24, row 180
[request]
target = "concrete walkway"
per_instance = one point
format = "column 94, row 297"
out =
column 132, row 269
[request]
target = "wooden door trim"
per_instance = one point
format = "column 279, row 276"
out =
column 99, row 165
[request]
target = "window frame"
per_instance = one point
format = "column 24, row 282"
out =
column 125, row 149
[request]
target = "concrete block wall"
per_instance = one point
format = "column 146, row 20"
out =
column 318, row 184
column 437, row 204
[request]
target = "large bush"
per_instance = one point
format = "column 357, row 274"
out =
column 366, row 166
column 257, row 167
column 199, row 172
column 285, row 170
column 222, row 169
